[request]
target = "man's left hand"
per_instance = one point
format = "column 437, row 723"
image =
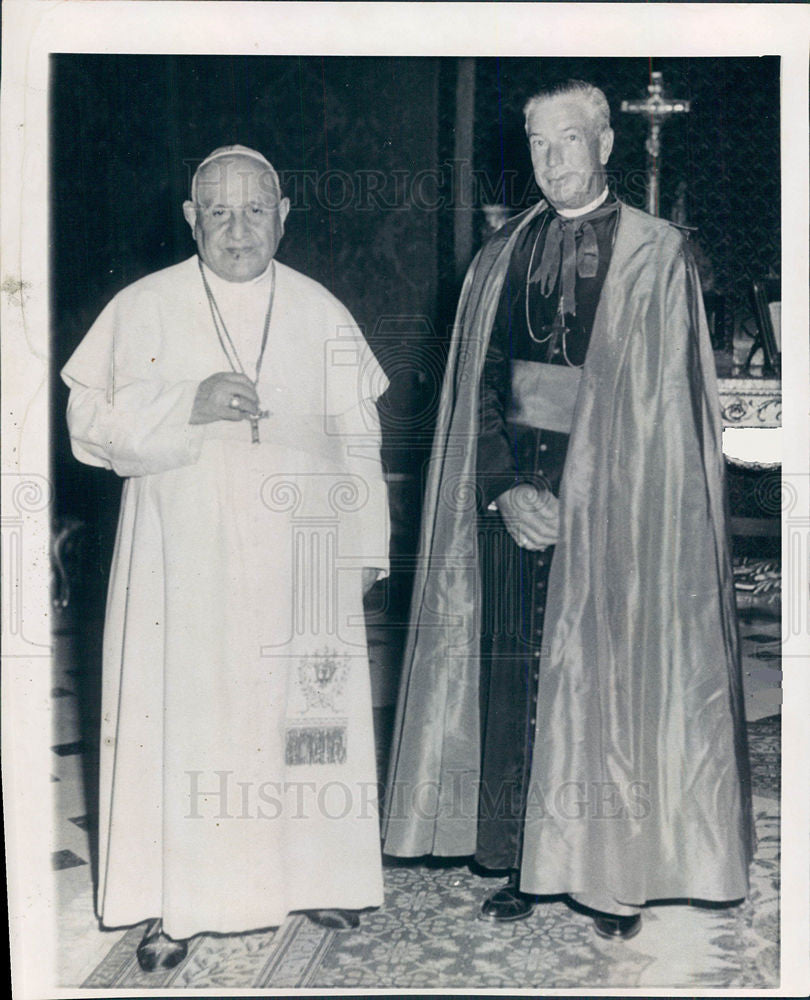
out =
column 530, row 515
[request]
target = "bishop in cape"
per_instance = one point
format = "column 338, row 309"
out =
column 237, row 399
column 571, row 708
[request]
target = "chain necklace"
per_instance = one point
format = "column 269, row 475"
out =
column 558, row 325
column 229, row 348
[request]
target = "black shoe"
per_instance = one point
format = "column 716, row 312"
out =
column 158, row 951
column 336, row 920
column 507, row 903
column 618, row 928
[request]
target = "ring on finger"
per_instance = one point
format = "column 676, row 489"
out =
column 234, row 403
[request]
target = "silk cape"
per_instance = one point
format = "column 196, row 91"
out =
column 237, row 774
column 640, row 706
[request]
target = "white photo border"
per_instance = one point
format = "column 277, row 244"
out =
column 34, row 29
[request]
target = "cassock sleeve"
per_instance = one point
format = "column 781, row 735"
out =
column 496, row 465
column 355, row 381
column 121, row 414
column 361, row 429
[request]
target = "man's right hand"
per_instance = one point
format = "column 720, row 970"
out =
column 224, row 396
column 530, row 515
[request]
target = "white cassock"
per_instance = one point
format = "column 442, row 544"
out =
column 237, row 761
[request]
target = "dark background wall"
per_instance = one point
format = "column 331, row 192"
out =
column 345, row 134
column 368, row 151
column 725, row 151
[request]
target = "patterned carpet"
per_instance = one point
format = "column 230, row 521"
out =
column 428, row 935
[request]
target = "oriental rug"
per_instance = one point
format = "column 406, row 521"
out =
column 427, row 935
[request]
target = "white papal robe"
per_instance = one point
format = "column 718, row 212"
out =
column 237, row 758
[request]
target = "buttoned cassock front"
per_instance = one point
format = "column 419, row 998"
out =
column 639, row 698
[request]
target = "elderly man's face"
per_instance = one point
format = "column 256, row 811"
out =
column 238, row 218
column 568, row 154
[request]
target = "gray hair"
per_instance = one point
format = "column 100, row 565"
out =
column 590, row 95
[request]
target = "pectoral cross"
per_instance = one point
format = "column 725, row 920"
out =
column 254, row 424
column 656, row 109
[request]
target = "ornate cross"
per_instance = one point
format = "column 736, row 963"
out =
column 656, row 109
column 254, row 424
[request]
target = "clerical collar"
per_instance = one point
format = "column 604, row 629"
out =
column 574, row 213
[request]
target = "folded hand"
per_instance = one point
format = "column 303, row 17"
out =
column 530, row 515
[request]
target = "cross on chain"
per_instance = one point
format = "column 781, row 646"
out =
column 656, row 108
column 254, row 424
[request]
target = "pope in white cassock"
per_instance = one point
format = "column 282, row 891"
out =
column 237, row 399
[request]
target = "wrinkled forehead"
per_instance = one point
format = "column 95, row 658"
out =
column 236, row 180
column 559, row 112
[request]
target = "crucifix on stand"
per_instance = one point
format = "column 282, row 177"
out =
column 656, row 108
